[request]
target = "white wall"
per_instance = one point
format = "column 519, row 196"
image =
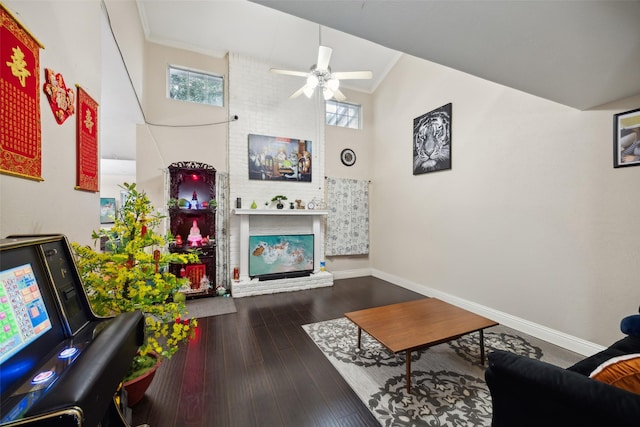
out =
column 361, row 142
column 179, row 131
column 71, row 34
column 127, row 28
column 114, row 173
column 532, row 220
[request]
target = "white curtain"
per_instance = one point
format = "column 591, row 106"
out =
column 348, row 218
column 222, row 227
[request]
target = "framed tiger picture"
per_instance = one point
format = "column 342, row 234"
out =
column 626, row 139
column 432, row 141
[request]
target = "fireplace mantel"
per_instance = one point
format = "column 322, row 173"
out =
column 280, row 212
column 247, row 286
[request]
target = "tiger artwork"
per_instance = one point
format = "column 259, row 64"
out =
column 432, row 141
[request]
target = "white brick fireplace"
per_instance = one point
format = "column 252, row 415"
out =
column 261, row 101
column 275, row 221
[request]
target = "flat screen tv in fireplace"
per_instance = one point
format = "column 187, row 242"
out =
column 280, row 256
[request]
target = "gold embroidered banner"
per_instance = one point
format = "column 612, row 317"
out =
column 87, row 143
column 20, row 135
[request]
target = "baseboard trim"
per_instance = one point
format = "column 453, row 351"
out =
column 350, row 274
column 561, row 339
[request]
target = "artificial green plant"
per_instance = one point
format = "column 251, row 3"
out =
column 132, row 274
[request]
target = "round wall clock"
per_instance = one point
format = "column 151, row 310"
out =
column 348, row 157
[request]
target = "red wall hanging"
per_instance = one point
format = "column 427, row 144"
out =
column 20, row 137
column 87, row 143
column 61, row 99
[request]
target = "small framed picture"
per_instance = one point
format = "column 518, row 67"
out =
column 626, row 139
column 124, row 195
column 107, row 210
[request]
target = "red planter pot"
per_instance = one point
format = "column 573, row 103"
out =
column 137, row 387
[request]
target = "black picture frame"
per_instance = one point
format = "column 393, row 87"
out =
column 348, row 157
column 432, row 141
column 626, row 138
column 274, row 158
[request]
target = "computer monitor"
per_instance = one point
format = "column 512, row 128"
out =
column 23, row 315
column 30, row 322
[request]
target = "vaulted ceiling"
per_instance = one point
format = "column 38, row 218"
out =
column 578, row 53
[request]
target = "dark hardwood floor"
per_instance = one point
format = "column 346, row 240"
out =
column 258, row 367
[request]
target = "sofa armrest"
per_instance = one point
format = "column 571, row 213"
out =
column 528, row 392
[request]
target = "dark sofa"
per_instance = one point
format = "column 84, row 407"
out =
column 528, row 392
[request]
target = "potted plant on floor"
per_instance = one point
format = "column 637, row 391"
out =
column 132, row 274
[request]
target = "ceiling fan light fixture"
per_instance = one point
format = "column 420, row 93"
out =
column 312, row 81
column 321, row 76
column 308, row 90
column 327, row 93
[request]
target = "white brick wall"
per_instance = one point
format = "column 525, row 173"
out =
column 261, row 101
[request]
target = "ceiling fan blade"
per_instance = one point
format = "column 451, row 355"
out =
column 339, row 95
column 298, row 92
column 324, row 55
column 351, row 75
column 290, row 72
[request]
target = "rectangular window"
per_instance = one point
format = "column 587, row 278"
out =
column 343, row 114
column 195, row 86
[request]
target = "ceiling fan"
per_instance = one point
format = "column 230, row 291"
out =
column 321, row 76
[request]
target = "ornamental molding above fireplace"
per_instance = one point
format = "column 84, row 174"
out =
column 281, row 219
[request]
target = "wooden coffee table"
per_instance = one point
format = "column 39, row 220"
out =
column 413, row 325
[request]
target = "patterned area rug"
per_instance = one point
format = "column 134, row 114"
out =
column 447, row 380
